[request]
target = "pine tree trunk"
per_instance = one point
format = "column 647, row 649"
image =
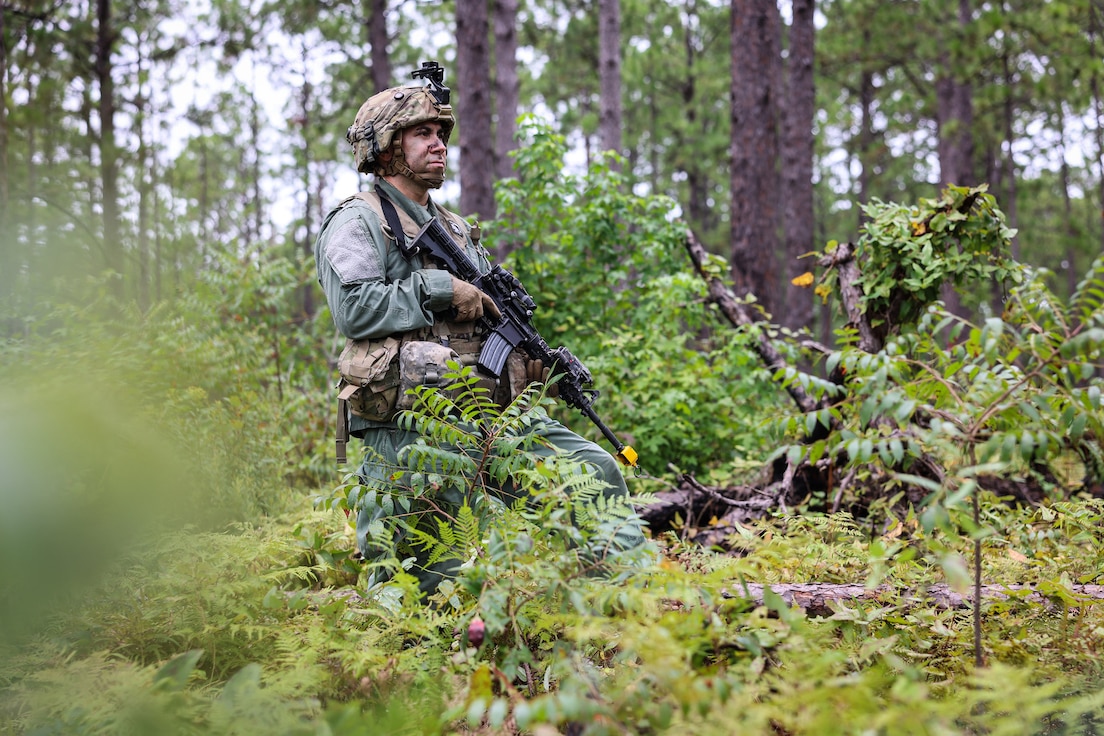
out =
column 109, row 170
column 254, row 232
column 609, row 74
column 1070, row 230
column 307, row 243
column 797, row 164
column 507, row 87
column 473, row 66
column 702, row 217
column 1009, row 192
column 754, row 214
column 143, row 194
column 955, row 114
column 375, row 20
column 866, row 135
column 1098, row 108
column 7, row 255
column 955, row 120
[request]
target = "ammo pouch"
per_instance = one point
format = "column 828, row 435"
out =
column 370, row 377
column 376, row 374
column 422, row 363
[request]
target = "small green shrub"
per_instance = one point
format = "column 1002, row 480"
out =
column 611, row 281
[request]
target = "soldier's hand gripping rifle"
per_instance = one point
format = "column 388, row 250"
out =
column 514, row 329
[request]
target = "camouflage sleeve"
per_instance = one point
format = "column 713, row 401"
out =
column 372, row 291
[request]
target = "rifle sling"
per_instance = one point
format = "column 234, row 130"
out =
column 342, row 430
column 392, row 217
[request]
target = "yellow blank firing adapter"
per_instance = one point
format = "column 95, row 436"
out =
column 627, row 456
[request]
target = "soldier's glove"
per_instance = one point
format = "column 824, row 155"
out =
column 471, row 303
column 535, row 372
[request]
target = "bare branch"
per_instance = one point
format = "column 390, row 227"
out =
column 741, row 315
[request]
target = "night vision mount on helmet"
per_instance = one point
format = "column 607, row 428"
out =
column 384, row 115
column 434, row 73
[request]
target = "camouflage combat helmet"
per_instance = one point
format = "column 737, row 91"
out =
column 387, row 113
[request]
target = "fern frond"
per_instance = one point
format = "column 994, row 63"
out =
column 430, row 544
column 583, row 484
column 456, row 466
column 467, row 528
column 302, row 573
column 1087, row 300
column 446, row 534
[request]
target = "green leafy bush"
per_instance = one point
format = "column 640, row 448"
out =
column 609, row 274
column 946, row 405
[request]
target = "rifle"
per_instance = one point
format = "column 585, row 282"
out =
column 514, row 328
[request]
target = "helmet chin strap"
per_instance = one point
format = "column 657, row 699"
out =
column 398, row 166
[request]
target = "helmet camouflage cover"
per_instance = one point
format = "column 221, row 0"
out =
column 386, row 113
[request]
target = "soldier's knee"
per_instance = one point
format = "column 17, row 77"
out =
column 606, row 468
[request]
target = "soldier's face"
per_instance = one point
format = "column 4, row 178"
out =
column 425, row 150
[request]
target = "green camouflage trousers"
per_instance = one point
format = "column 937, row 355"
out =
column 379, row 465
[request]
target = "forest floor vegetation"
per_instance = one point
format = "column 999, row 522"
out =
column 246, row 630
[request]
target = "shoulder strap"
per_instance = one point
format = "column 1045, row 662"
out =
column 392, row 217
column 455, row 225
column 395, row 223
column 385, row 209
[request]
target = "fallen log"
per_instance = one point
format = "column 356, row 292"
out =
column 709, row 517
column 790, row 483
column 817, row 599
column 694, row 504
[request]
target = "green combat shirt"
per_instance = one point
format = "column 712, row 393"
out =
column 372, row 289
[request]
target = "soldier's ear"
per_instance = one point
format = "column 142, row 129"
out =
column 386, row 156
